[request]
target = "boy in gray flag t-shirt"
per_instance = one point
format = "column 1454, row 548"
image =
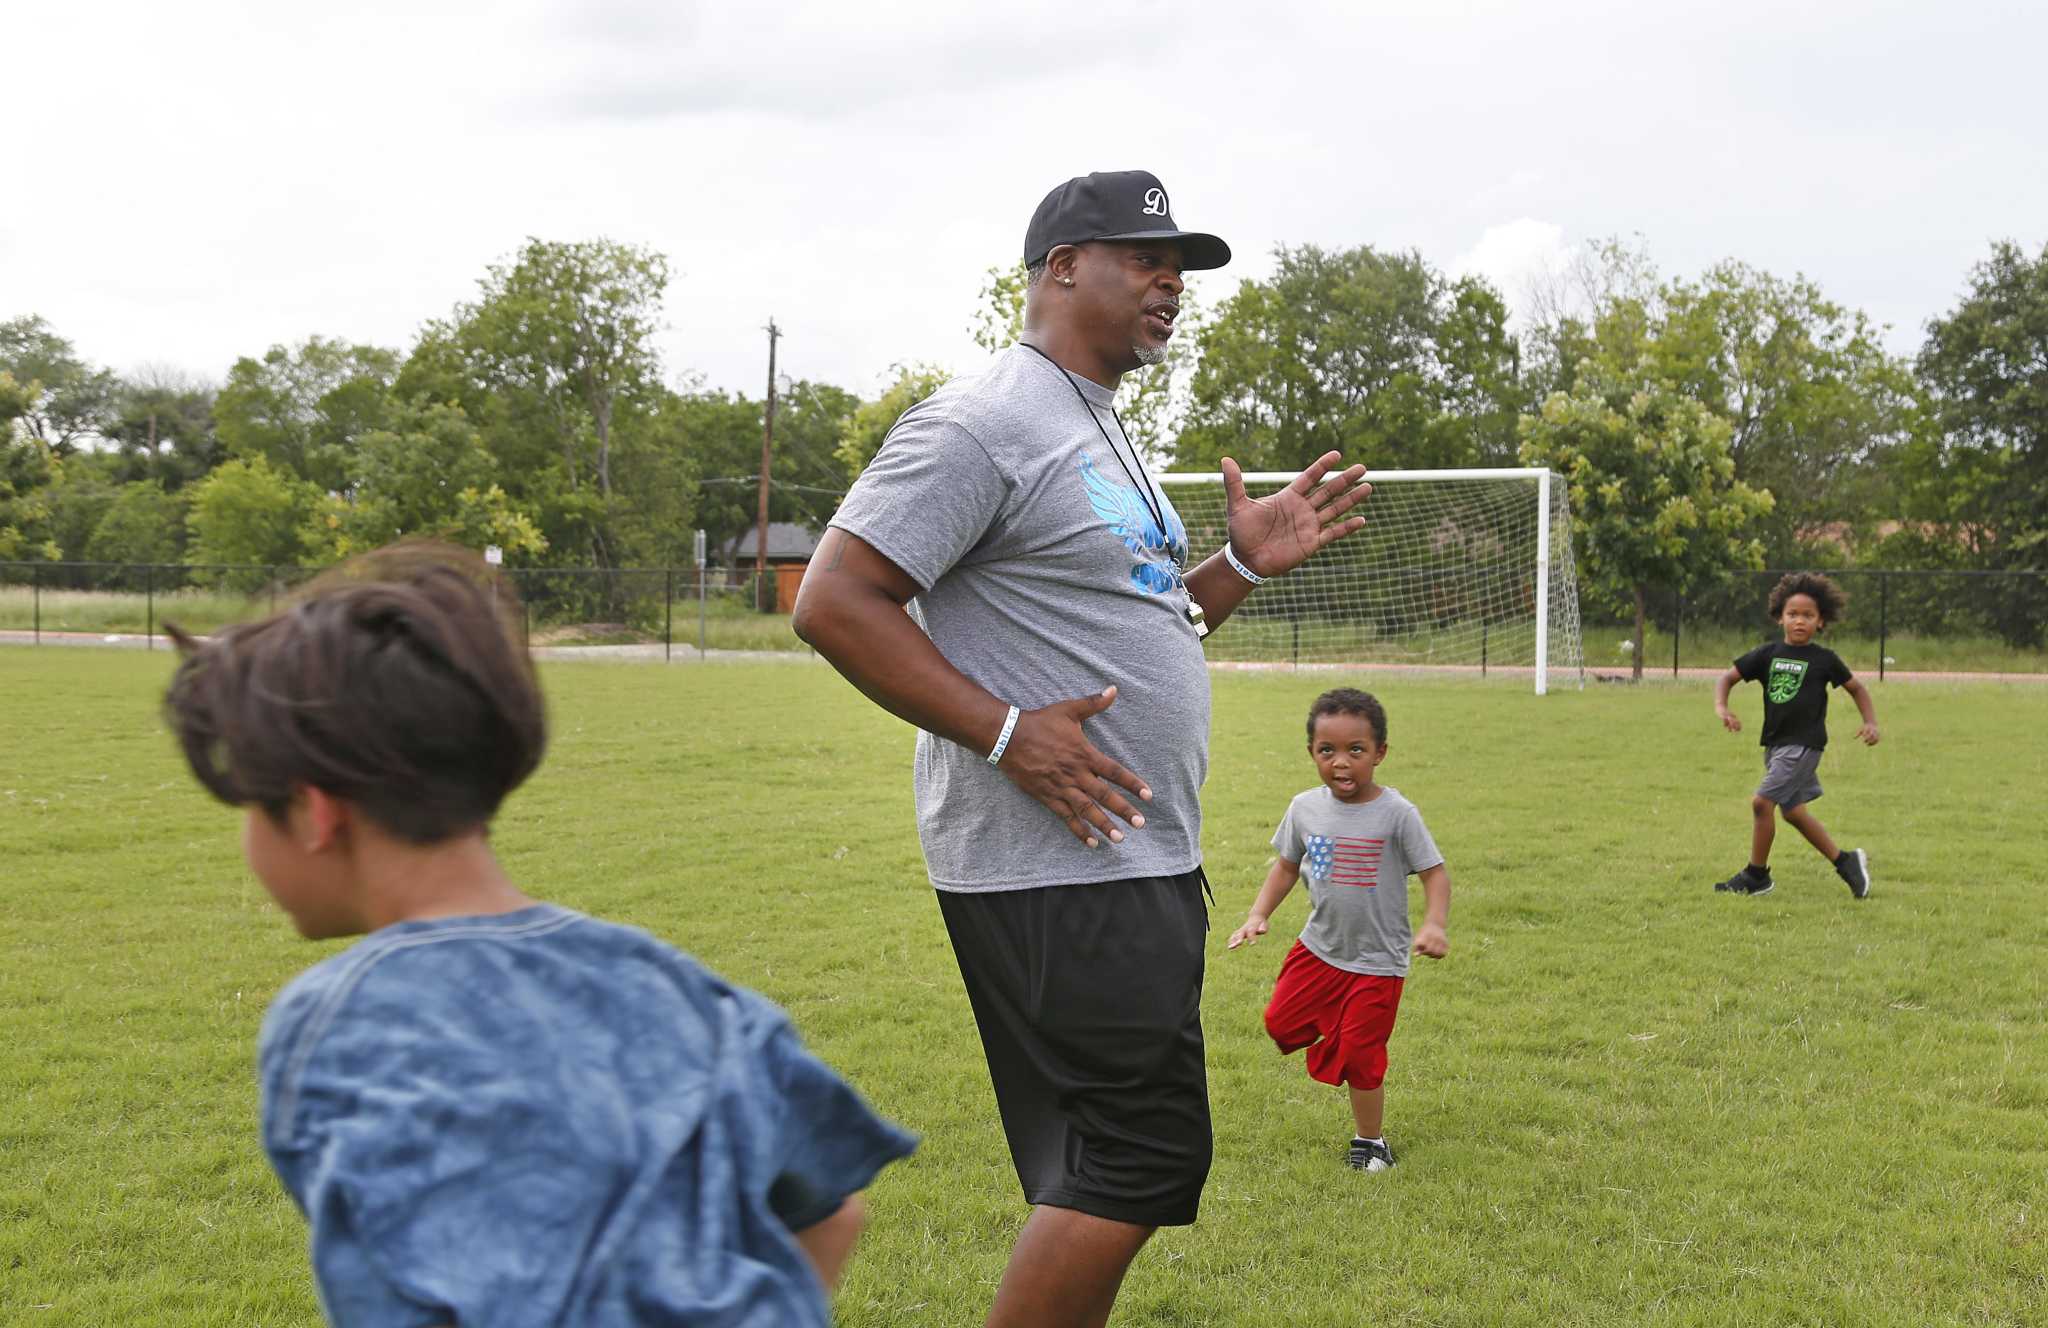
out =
column 1356, row 842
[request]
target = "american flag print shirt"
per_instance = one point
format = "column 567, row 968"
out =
column 1343, row 859
column 1356, row 858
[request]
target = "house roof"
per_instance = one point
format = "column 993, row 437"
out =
column 786, row 541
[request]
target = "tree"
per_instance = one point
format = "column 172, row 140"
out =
column 1566, row 306
column 427, row 475
column 1985, row 366
column 143, row 524
column 251, row 513
column 25, row 472
column 162, row 422
column 1654, row 497
column 573, row 324
column 1376, row 355
column 999, row 308
column 862, row 434
column 555, row 363
column 808, row 478
column 1816, row 408
column 1813, row 401
column 82, row 487
column 70, row 401
column 304, row 409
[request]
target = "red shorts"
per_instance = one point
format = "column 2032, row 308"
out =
column 1344, row 1019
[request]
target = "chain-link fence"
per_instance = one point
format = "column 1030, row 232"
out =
column 1898, row 620
column 1918, row 621
column 666, row 608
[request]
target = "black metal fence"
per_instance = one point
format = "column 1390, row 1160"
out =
column 708, row 608
column 1918, row 620
column 1898, row 619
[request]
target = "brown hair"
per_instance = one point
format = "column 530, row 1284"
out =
column 1350, row 701
column 1828, row 597
column 395, row 681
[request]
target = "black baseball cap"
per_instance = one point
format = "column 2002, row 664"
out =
column 1115, row 205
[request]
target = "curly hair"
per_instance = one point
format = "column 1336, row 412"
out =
column 1349, row 701
column 1826, row 595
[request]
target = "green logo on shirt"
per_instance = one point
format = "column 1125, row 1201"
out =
column 1786, row 675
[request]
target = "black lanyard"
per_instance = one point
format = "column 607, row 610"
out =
column 1141, row 481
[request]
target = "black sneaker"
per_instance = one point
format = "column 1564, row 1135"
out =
column 1854, row 868
column 1748, row 881
column 1368, row 1156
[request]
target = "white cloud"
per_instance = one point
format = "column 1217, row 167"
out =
column 210, row 178
column 1515, row 257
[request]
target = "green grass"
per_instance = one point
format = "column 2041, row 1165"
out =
column 1622, row 1100
column 101, row 611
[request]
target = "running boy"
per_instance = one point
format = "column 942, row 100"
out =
column 1340, row 985
column 494, row 1110
column 1796, row 675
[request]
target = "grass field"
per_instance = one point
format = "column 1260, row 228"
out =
column 1622, row 1100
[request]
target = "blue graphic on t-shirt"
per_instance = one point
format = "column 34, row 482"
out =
column 1124, row 511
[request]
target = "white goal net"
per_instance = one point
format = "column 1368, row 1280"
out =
column 1467, row 569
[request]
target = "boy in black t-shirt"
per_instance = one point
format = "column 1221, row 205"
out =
column 1796, row 675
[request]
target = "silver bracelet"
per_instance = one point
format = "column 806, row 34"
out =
column 1003, row 743
column 1237, row 565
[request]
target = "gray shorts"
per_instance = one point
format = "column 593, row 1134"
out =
column 1791, row 775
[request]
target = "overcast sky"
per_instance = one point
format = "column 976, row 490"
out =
column 194, row 182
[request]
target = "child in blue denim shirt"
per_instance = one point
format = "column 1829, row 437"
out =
column 493, row 1110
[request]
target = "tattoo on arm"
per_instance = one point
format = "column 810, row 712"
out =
column 838, row 550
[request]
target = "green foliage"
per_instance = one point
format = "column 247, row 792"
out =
column 25, row 470
column 82, row 489
column 249, row 512
column 1376, row 355
column 1654, row 498
column 555, row 365
column 303, row 410
column 862, row 434
column 1982, row 473
column 68, row 402
column 1813, row 401
column 571, row 326
column 999, row 313
column 143, row 524
column 428, row 475
column 162, row 423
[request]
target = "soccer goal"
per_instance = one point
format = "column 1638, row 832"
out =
column 1467, row 569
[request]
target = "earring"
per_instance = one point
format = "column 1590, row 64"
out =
column 1066, row 281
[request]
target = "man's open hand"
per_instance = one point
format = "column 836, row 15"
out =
column 1277, row 533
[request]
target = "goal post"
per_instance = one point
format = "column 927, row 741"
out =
column 1458, row 569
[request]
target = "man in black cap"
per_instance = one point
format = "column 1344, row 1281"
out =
column 1049, row 573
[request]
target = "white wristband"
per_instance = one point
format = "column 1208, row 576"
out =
column 1237, row 565
column 1003, row 742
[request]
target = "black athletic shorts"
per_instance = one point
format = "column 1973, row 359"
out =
column 1089, row 1001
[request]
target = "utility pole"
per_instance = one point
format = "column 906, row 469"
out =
column 767, row 457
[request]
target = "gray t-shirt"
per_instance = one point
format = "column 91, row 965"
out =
column 1357, row 858
column 1045, row 579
